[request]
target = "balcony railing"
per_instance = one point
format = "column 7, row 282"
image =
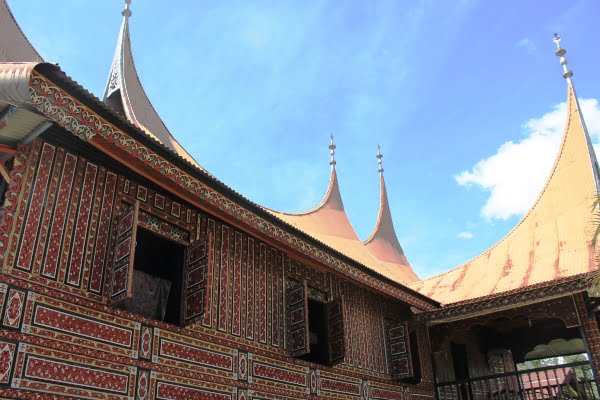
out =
column 566, row 381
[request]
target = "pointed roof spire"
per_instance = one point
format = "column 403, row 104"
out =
column 553, row 239
column 560, row 52
column 383, row 243
column 125, row 94
column 329, row 223
column 14, row 46
column 126, row 11
column 332, row 151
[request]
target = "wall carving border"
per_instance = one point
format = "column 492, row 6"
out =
column 552, row 289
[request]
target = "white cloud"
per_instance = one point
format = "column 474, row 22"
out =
column 465, row 235
column 514, row 176
column 527, row 44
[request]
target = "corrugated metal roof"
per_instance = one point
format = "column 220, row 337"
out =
column 552, row 241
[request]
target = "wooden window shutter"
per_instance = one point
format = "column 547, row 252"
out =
column 122, row 273
column 335, row 330
column 296, row 301
column 400, row 361
column 194, row 291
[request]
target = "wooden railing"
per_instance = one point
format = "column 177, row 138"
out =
column 566, row 381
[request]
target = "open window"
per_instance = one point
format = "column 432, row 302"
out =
column 154, row 276
column 315, row 328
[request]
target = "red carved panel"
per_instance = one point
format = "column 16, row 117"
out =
column 274, row 373
column 250, row 278
column 195, row 355
column 339, row 386
column 142, row 385
column 14, row 308
column 45, row 223
column 36, row 207
column 276, row 288
column 210, row 234
column 262, row 294
column 45, row 369
column 104, row 225
column 59, row 217
column 385, row 394
column 81, row 228
column 146, row 342
column 64, row 252
column 224, row 279
column 169, row 391
column 236, row 323
column 7, row 354
column 66, row 322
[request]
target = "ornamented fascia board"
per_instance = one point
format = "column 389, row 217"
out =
column 75, row 117
column 546, row 290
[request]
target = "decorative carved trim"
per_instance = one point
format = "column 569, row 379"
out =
column 514, row 298
column 84, row 123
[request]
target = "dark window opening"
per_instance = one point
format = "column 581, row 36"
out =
column 317, row 333
column 157, row 278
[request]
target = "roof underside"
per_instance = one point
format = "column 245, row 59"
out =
column 552, row 241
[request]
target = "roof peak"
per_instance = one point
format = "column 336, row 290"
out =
column 125, row 94
column 383, row 242
column 379, row 160
column 332, row 148
column 560, row 52
column 15, row 46
column 552, row 240
column 126, row 11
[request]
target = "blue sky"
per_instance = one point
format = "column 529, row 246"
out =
column 464, row 98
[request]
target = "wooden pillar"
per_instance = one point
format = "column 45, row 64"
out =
column 590, row 331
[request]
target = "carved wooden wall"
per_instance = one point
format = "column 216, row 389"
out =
column 57, row 335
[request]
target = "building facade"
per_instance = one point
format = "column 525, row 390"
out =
column 128, row 271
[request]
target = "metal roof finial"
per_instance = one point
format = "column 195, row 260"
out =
column 379, row 160
column 332, row 151
column 560, row 52
column 126, row 11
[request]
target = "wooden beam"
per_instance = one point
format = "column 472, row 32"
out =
column 4, row 149
column 4, row 172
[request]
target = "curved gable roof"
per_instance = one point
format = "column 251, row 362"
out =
column 383, row 243
column 14, row 46
column 552, row 240
column 125, row 93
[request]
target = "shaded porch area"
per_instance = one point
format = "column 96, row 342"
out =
column 538, row 351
